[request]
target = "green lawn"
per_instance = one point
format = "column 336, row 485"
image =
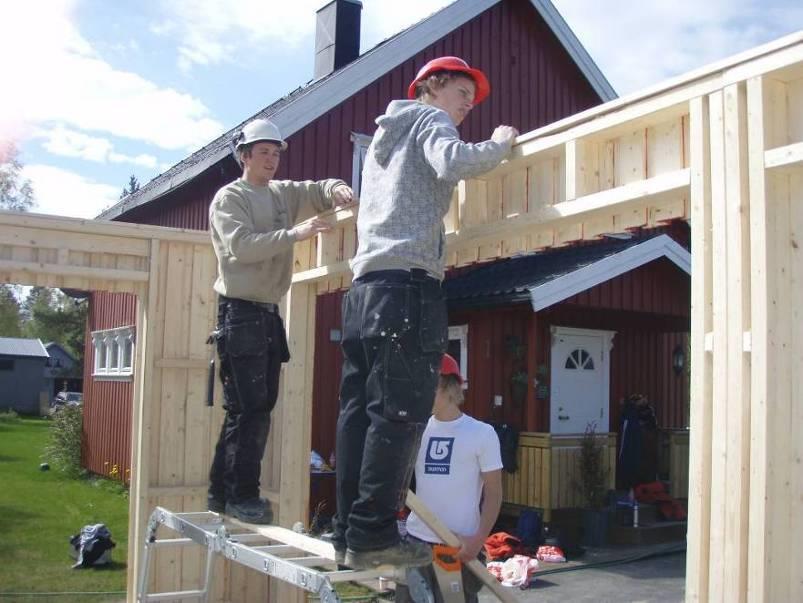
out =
column 40, row 510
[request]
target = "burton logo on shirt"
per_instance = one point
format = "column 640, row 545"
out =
column 439, row 455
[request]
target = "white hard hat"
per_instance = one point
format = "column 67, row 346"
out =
column 257, row 131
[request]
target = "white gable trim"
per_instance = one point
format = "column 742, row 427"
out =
column 565, row 286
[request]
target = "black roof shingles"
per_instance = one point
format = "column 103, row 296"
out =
column 510, row 280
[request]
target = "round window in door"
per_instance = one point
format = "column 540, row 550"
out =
column 579, row 359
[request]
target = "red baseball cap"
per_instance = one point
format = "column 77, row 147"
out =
column 453, row 64
column 449, row 367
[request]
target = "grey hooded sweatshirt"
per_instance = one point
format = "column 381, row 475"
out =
column 412, row 166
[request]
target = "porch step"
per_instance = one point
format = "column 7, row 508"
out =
column 648, row 533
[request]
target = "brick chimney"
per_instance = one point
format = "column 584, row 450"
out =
column 337, row 36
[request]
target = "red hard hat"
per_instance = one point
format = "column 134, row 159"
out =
column 453, row 64
column 449, row 367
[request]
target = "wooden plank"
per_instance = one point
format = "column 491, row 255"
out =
column 738, row 368
column 107, row 274
column 793, row 459
column 493, row 200
column 146, row 381
column 793, row 117
column 445, row 534
column 604, row 203
column 665, row 147
column 780, row 564
column 630, row 157
column 296, row 405
column 700, row 413
column 788, row 157
column 514, row 203
column 717, row 577
column 764, row 297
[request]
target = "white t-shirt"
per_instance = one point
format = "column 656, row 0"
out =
column 452, row 456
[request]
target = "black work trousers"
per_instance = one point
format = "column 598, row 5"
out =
column 395, row 332
column 251, row 345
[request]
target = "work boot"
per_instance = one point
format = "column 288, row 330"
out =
column 403, row 554
column 253, row 510
column 215, row 504
column 339, row 545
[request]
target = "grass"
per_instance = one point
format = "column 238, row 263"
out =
column 40, row 510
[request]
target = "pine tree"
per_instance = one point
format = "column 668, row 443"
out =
column 133, row 187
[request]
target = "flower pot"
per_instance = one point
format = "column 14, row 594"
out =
column 595, row 526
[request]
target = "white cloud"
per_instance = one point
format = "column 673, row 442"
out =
column 64, row 193
column 215, row 31
column 59, row 78
column 70, row 143
column 381, row 20
column 637, row 43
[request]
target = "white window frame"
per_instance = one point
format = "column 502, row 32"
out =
column 360, row 148
column 104, row 343
column 460, row 333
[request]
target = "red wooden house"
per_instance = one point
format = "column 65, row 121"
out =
column 539, row 73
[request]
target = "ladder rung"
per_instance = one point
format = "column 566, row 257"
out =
column 353, row 575
column 162, row 542
column 278, row 549
column 175, row 596
column 247, row 537
column 310, row 561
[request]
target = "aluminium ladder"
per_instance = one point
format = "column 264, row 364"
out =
column 297, row 559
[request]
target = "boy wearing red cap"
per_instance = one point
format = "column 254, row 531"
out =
column 459, row 465
column 394, row 316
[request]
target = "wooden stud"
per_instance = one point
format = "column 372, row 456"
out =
column 737, row 427
column 700, row 418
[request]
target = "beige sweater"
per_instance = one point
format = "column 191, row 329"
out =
column 250, row 233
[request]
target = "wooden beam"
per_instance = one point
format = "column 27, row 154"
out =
column 58, row 224
column 737, row 426
column 602, row 203
column 145, row 383
column 446, row 535
column 700, row 415
column 786, row 157
column 107, row 274
column 762, row 299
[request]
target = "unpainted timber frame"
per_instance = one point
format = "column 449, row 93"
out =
column 721, row 147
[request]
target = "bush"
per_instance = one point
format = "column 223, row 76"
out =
column 63, row 450
column 592, row 470
column 9, row 416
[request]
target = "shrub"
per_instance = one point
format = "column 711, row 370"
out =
column 592, row 470
column 9, row 416
column 63, row 450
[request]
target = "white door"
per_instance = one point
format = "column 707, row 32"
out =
column 580, row 380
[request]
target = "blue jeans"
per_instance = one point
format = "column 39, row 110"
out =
column 252, row 346
column 395, row 331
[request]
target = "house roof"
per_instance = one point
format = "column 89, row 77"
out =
column 56, row 348
column 14, row 346
column 305, row 104
column 544, row 279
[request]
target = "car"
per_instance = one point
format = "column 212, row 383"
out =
column 67, row 399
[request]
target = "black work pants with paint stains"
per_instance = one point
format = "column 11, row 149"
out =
column 395, row 332
column 251, row 345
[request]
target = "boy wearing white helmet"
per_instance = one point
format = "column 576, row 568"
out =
column 254, row 222
column 394, row 315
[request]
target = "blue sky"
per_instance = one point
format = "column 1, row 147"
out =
column 96, row 90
